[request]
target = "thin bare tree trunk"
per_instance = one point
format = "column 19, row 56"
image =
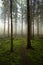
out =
column 33, row 27
column 8, row 25
column 16, row 21
column 11, row 26
column 4, row 25
column 37, row 27
column 22, row 23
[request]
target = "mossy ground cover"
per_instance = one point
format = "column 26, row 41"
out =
column 21, row 55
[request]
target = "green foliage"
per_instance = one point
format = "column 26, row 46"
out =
column 35, row 57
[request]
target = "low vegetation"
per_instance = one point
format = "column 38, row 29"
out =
column 20, row 55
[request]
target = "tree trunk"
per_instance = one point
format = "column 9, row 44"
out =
column 4, row 27
column 31, row 17
column 4, row 24
column 37, row 27
column 11, row 26
column 22, row 18
column 33, row 28
column 8, row 25
column 29, row 26
column 22, row 26
column 16, row 21
column 16, row 25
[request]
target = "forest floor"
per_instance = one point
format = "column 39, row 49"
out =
column 21, row 55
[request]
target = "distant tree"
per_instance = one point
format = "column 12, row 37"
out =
column 4, row 18
column 37, row 26
column 15, row 18
column 38, row 12
column 14, row 10
column 4, row 24
column 6, row 13
column 22, row 17
column 34, row 8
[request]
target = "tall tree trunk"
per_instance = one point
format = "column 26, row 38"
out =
column 33, row 27
column 22, row 24
column 11, row 26
column 29, row 26
column 21, row 18
column 16, row 25
column 31, row 17
column 16, row 21
column 37, row 27
column 8, row 25
column 8, row 17
column 4, row 26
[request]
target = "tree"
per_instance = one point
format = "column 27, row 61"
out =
column 8, row 25
column 16, row 18
column 33, row 14
column 14, row 10
column 22, row 18
column 4, row 24
column 11, row 26
column 6, row 13
column 38, row 18
column 29, row 28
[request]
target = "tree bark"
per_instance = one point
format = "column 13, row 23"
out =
column 8, row 25
column 16, row 25
column 4, row 27
column 11, row 26
column 33, row 28
column 37, row 27
column 16, row 21
column 29, row 28
column 4, row 24
column 22, row 19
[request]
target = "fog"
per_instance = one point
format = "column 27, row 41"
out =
column 19, row 26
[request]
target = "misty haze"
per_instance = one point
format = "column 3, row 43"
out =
column 21, row 32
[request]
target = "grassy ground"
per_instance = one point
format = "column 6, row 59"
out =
column 21, row 56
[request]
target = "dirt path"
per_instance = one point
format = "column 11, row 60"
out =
column 24, row 59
